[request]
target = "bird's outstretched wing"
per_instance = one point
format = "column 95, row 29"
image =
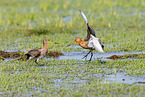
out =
column 85, row 18
column 89, row 29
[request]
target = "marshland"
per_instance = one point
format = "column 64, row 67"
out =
column 120, row 71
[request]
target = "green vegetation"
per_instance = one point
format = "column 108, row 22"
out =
column 68, row 78
column 24, row 24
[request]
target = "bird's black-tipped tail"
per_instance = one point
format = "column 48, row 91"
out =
column 102, row 46
column 28, row 55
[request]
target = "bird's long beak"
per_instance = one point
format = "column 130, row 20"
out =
column 71, row 43
column 52, row 42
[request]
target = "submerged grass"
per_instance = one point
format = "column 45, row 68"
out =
column 24, row 24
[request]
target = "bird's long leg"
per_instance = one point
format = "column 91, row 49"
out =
column 91, row 56
column 36, row 62
column 86, row 55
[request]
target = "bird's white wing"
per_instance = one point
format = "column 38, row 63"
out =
column 84, row 16
column 90, row 44
column 94, row 42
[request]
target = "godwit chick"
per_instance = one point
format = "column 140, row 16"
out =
column 38, row 53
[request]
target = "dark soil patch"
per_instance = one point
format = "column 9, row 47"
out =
column 126, row 56
column 131, row 26
column 9, row 54
column 54, row 54
column 141, row 82
column 1, row 58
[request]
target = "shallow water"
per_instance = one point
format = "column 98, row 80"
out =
column 78, row 80
column 80, row 55
column 96, row 55
column 113, row 78
column 124, row 78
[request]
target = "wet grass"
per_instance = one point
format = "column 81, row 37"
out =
column 68, row 78
column 120, row 28
column 24, row 24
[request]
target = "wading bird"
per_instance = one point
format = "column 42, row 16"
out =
column 90, row 42
column 38, row 53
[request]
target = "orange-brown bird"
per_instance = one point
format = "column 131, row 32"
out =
column 90, row 42
column 38, row 53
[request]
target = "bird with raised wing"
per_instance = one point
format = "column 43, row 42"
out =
column 90, row 42
column 39, row 52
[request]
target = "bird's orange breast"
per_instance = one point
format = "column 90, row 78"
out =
column 84, row 44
